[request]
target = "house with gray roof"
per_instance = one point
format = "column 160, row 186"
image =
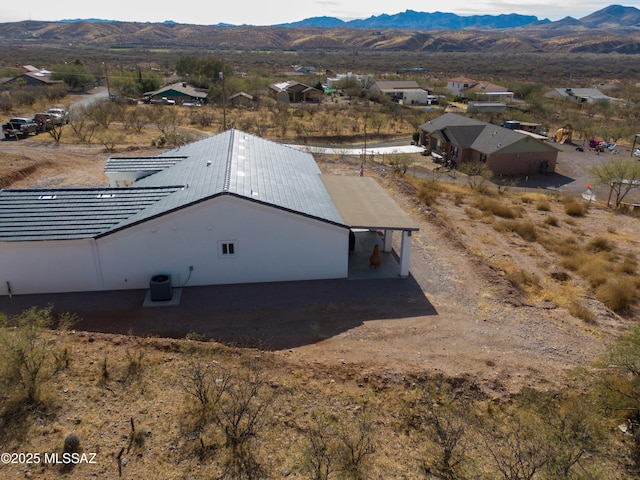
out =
column 181, row 93
column 578, row 95
column 457, row 139
column 231, row 208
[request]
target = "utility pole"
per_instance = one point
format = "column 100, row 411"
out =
column 224, row 99
column 106, row 76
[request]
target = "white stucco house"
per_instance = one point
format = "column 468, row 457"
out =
column 232, row 208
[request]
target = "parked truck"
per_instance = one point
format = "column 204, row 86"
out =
column 20, row 127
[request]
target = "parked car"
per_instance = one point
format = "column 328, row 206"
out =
column 59, row 112
column 20, row 127
column 47, row 121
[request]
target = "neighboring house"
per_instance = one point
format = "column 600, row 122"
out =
column 459, row 139
column 292, row 91
column 397, row 89
column 477, row 90
column 578, row 95
column 34, row 77
column 232, row 208
column 178, row 93
column 241, row 99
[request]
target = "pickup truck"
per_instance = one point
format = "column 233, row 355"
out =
column 20, row 127
column 60, row 113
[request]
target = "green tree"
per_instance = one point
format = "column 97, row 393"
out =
column 76, row 75
column 26, row 362
column 622, row 175
column 134, row 83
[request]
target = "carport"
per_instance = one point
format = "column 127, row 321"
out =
column 365, row 206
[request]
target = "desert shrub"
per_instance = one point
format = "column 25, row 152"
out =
column 428, row 192
column 628, row 265
column 575, row 208
column 356, row 445
column 618, row 295
column 543, row 206
column 496, row 207
column 521, row 279
column 71, row 443
column 232, row 410
column 458, row 199
column 599, row 244
column 560, row 245
column 580, row 311
column 526, row 229
column 551, row 221
column 25, row 365
column 593, row 268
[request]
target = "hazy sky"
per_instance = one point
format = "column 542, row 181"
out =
column 270, row 12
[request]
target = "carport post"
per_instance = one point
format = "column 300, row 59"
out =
column 405, row 253
column 388, row 239
column 637, row 137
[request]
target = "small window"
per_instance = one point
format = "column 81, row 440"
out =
column 227, row 249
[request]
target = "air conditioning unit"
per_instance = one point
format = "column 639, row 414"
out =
column 160, row 288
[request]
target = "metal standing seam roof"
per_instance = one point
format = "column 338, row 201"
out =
column 231, row 163
column 64, row 214
column 240, row 164
column 137, row 164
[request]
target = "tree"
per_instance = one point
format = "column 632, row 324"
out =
column 622, row 175
column 75, row 75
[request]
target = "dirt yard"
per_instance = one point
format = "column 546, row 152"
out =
column 479, row 324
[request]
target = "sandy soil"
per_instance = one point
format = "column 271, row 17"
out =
column 458, row 313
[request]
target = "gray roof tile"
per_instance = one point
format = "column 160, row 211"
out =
column 58, row 214
column 231, row 163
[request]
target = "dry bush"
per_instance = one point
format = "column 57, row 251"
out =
column 575, row 208
column 599, row 244
column 523, row 280
column 583, row 313
column 428, row 192
column 560, row 245
column 543, row 206
column 592, row 267
column 525, row 228
column 496, row 207
column 629, row 264
column 551, row 221
column 619, row 295
column 458, row 199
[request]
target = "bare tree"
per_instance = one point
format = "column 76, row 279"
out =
column 356, row 445
column 517, row 447
column 320, row 450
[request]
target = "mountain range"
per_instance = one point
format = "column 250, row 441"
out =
column 611, row 29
